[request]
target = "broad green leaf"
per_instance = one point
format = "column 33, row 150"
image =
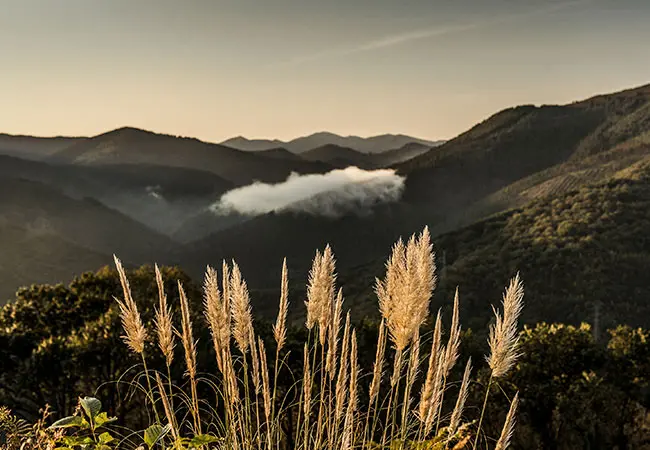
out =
column 67, row 422
column 155, row 433
column 202, row 439
column 105, row 438
column 72, row 440
column 91, row 406
column 103, row 419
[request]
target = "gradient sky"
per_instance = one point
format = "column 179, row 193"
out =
column 213, row 69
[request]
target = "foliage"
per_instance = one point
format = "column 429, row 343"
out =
column 584, row 256
column 54, row 336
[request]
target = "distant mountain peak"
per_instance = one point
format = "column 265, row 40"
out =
column 326, row 134
column 372, row 144
column 127, row 131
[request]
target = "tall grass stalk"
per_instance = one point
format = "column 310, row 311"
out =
column 327, row 410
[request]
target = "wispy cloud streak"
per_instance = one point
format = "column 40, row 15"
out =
column 427, row 33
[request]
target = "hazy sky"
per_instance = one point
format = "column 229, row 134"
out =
column 282, row 68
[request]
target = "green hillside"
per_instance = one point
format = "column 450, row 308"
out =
column 528, row 152
column 584, row 251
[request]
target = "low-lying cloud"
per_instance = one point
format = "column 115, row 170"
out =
column 333, row 194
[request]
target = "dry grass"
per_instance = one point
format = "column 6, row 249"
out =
column 328, row 414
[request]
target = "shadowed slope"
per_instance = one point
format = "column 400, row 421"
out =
column 133, row 146
column 47, row 211
column 161, row 197
column 35, row 148
column 523, row 142
column 340, row 157
column 29, row 257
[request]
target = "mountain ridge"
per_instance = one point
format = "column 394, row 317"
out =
column 371, row 144
column 134, row 146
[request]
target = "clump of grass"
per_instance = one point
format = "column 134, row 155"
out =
column 324, row 403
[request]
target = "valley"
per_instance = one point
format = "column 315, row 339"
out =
column 485, row 194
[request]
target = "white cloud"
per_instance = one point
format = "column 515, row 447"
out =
column 339, row 192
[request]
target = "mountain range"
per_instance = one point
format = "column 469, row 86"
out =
column 556, row 191
column 373, row 144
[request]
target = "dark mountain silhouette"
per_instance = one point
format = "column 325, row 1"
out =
column 340, row 157
column 252, row 145
column 36, row 148
column 374, row 144
column 133, row 146
column 401, row 154
column 279, row 153
column 343, row 156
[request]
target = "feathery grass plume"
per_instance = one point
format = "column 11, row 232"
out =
column 405, row 292
column 135, row 334
column 335, row 329
column 378, row 365
column 216, row 314
column 169, row 413
column 453, row 345
column 342, row 378
column 242, row 319
column 508, row 426
column 313, row 307
column 320, row 292
column 280, row 327
column 457, row 414
column 331, row 378
column 428, row 388
column 388, row 290
column 504, row 338
column 163, row 321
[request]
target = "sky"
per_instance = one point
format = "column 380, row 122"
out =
column 214, row 69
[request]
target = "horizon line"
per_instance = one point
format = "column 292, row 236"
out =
column 283, row 141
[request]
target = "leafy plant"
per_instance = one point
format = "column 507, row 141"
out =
column 89, row 422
